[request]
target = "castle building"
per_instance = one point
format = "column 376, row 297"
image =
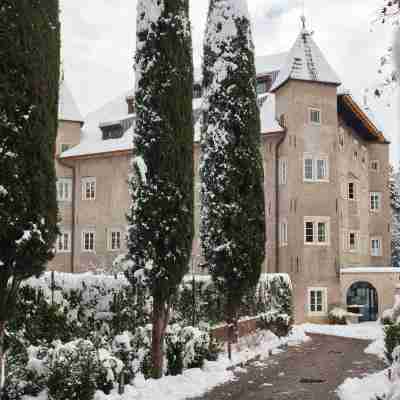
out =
column 326, row 162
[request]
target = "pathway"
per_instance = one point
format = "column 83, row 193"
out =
column 312, row 371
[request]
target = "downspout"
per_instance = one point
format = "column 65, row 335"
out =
column 73, row 210
column 277, row 198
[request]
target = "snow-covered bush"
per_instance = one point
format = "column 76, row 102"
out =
column 392, row 340
column 337, row 316
column 273, row 296
column 73, row 371
column 188, row 347
column 278, row 323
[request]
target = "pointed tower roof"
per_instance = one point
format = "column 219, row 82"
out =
column 67, row 107
column 306, row 62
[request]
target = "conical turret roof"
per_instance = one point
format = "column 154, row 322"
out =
column 306, row 62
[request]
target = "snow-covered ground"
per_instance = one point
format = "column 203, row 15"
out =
column 195, row 382
column 366, row 388
column 365, row 330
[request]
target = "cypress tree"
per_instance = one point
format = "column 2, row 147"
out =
column 160, row 230
column 394, row 188
column 29, row 81
column 232, row 213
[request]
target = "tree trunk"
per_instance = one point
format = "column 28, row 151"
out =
column 2, row 358
column 232, row 325
column 160, row 322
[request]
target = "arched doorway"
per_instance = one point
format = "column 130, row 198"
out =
column 363, row 294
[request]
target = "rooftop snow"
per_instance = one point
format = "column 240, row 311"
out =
column 67, row 108
column 306, row 62
column 270, row 63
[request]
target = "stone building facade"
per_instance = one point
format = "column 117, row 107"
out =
column 326, row 186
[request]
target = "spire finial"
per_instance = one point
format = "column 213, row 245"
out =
column 303, row 15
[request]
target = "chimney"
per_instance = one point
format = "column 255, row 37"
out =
column 131, row 106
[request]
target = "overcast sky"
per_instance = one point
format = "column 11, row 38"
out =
column 99, row 43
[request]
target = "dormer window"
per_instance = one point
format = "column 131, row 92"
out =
column 112, row 132
column 264, row 84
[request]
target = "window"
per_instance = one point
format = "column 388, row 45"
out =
column 64, row 242
column 376, row 247
column 88, row 188
column 316, row 230
column 374, row 165
column 64, row 147
column 115, row 240
column 375, row 201
column 353, row 241
column 88, row 241
column 316, row 168
column 351, row 191
column 315, row 116
column 283, row 169
column 64, row 189
column 283, row 234
column 355, row 155
column 317, row 300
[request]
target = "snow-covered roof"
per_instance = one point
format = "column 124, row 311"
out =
column 92, row 142
column 67, row 108
column 306, row 62
column 270, row 63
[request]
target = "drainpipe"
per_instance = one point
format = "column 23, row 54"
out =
column 277, row 198
column 73, row 210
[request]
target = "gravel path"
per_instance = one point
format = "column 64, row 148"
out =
column 312, row 371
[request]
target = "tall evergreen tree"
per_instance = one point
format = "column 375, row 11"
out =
column 29, row 80
column 160, row 231
column 232, row 213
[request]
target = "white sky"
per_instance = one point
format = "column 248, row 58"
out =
column 99, row 43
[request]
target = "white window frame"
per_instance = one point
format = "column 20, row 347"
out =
column 316, row 221
column 324, row 299
column 283, row 234
column 372, row 204
column 61, row 194
column 88, row 232
column 315, row 159
column 356, row 241
column 283, row 171
column 61, row 237
column 375, row 253
column 377, row 165
column 89, row 181
column 341, row 142
column 110, row 239
column 317, row 111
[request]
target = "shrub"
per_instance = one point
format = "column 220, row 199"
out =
column 337, row 316
column 279, row 324
column 392, row 340
column 73, row 371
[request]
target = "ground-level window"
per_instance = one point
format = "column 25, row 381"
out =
column 351, row 192
column 376, row 247
column 64, row 242
column 115, row 240
column 88, row 241
column 374, row 165
column 316, row 230
column 317, row 300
